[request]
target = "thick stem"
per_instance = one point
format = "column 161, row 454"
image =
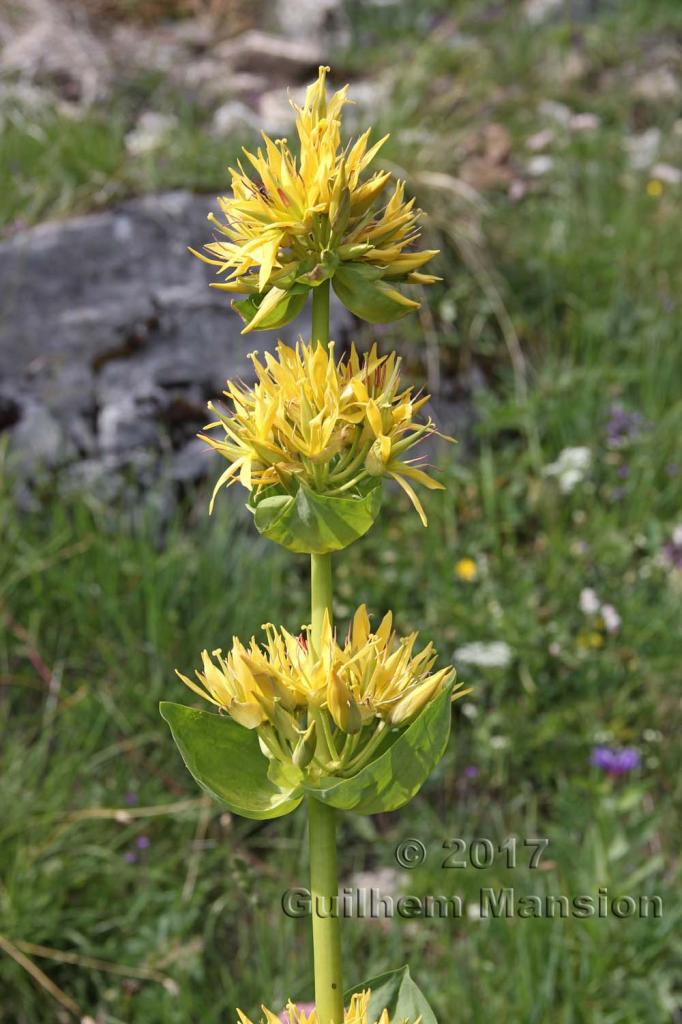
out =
column 324, row 889
column 320, row 324
column 320, row 595
column 324, row 886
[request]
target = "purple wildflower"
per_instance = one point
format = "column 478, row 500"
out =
column 623, row 472
column 615, row 762
column 131, row 797
column 130, row 857
column 623, row 426
column 471, row 771
column 143, row 842
column 672, row 551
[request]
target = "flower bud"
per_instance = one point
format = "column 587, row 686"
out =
column 304, row 750
column 250, row 715
column 378, row 455
column 340, row 204
column 342, row 705
column 412, row 703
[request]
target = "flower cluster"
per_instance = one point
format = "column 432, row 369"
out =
column 355, row 1013
column 303, row 221
column 305, row 702
column 331, row 425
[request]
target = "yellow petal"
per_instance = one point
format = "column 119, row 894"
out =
column 360, row 630
column 374, row 418
column 409, row 491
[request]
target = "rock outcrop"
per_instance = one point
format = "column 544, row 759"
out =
column 111, row 341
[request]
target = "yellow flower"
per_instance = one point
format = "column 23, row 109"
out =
column 590, row 640
column 654, row 188
column 371, row 681
column 302, row 221
column 355, row 1013
column 330, row 425
column 466, row 569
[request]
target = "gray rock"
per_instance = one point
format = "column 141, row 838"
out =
column 191, row 463
column 234, row 119
column 38, row 440
column 280, row 58
column 324, row 20
column 111, row 341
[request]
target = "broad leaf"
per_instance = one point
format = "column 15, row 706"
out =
column 226, row 760
column 374, row 301
column 312, row 523
column 399, row 771
column 396, row 992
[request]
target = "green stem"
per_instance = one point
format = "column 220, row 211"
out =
column 320, row 594
column 320, row 324
column 324, row 889
column 361, row 759
column 324, row 886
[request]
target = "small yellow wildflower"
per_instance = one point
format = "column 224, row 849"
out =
column 302, row 222
column 331, row 425
column 466, row 569
column 355, row 1013
column 348, row 688
column 590, row 640
column 654, row 188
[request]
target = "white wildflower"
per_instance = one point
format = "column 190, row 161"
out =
column 499, row 742
column 589, row 602
column 537, row 11
column 539, row 165
column 666, row 173
column 557, row 112
column 496, row 654
column 642, row 149
column 570, row 468
column 584, row 122
column 150, row 132
column 611, row 618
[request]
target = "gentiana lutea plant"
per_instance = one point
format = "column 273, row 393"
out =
column 341, row 722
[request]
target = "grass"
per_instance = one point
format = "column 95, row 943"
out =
column 56, row 165
column 112, row 860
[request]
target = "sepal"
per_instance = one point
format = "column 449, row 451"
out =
column 226, row 761
column 312, row 523
column 398, row 994
column 368, row 297
column 402, row 765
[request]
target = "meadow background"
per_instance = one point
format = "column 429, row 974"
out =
column 545, row 141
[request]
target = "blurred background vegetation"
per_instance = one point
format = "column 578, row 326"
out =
column 544, row 140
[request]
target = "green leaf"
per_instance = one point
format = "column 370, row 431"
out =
column 399, row 771
column 396, row 992
column 371, row 300
column 313, row 523
column 226, row 760
column 276, row 308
